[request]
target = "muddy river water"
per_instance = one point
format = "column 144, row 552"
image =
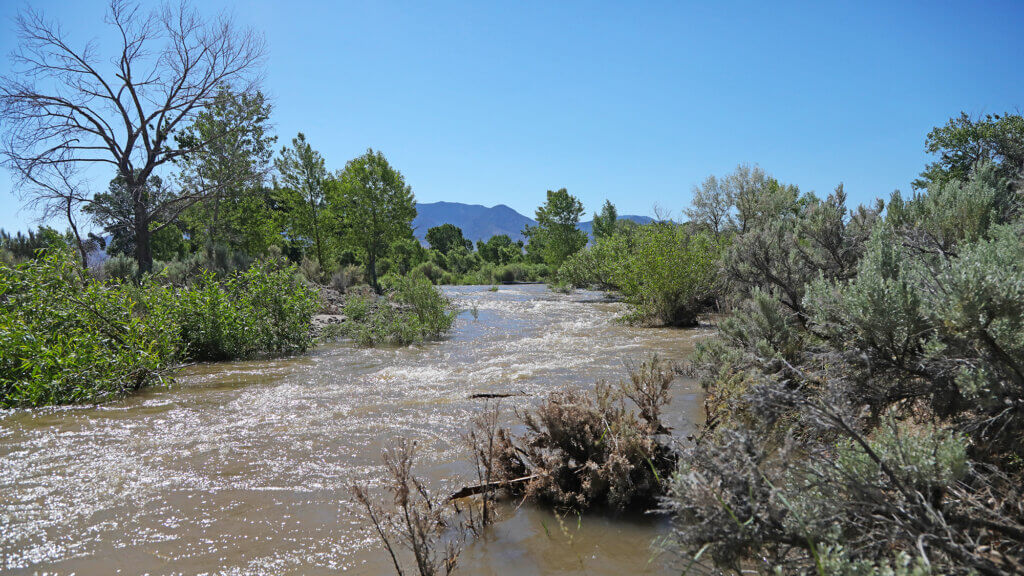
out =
column 245, row 467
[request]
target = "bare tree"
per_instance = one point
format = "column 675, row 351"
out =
column 59, row 192
column 64, row 106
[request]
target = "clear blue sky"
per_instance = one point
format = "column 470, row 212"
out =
column 488, row 102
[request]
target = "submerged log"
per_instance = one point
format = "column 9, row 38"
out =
column 495, row 395
column 488, row 486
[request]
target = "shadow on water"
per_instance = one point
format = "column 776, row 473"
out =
column 244, row 467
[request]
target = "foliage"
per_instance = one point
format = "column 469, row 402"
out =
column 412, row 311
column 65, row 109
column 262, row 311
column 787, row 240
column 864, row 404
column 556, row 236
column 713, row 205
column 67, row 338
column 500, row 250
column 666, row 272
column 302, row 191
column 376, row 206
column 966, row 143
column 446, row 237
column 605, row 222
column 231, row 167
column 114, row 211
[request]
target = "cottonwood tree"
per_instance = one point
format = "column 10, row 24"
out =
column 66, row 105
column 556, row 235
column 605, row 222
column 376, row 206
column 303, row 191
column 234, row 166
column 447, row 237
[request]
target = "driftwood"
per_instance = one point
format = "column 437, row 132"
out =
column 495, row 395
column 487, row 487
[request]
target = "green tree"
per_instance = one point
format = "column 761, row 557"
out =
column 446, row 237
column 964, row 144
column 605, row 222
column 232, row 167
column 556, row 235
column 303, row 194
column 376, row 206
column 500, row 249
column 113, row 210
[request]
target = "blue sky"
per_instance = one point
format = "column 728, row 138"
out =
column 495, row 103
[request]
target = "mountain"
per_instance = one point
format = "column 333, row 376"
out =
column 480, row 222
column 477, row 222
column 588, row 226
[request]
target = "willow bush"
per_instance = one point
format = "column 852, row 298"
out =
column 666, row 272
column 411, row 311
column 66, row 337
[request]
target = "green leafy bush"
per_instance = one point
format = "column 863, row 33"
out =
column 665, row 271
column 263, row 311
column 67, row 338
column 412, row 311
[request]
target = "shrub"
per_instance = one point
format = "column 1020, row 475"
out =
column 346, row 277
column 311, row 270
column 590, row 450
column 867, row 412
column 412, row 311
column 263, row 311
column 667, row 274
column 428, row 270
column 66, row 338
column 119, row 267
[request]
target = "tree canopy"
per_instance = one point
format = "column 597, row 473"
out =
column 376, row 206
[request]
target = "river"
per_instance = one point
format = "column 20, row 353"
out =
column 245, row 467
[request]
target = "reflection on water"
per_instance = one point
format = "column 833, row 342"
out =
column 244, row 467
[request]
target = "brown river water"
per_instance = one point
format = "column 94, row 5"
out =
column 245, row 467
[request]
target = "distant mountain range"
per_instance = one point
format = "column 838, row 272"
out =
column 480, row 222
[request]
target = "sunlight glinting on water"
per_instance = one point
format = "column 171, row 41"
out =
column 245, row 467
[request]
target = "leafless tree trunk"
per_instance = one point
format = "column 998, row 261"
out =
column 67, row 106
column 58, row 192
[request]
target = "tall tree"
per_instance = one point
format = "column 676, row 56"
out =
column 604, row 223
column 712, row 205
column 233, row 165
column 446, row 237
column 557, row 235
column 68, row 106
column 303, row 192
column 376, row 206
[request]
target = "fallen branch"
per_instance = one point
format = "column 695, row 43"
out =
column 488, row 486
column 495, row 395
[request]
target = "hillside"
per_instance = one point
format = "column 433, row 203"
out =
column 480, row 222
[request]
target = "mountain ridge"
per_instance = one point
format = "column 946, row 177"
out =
column 479, row 222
